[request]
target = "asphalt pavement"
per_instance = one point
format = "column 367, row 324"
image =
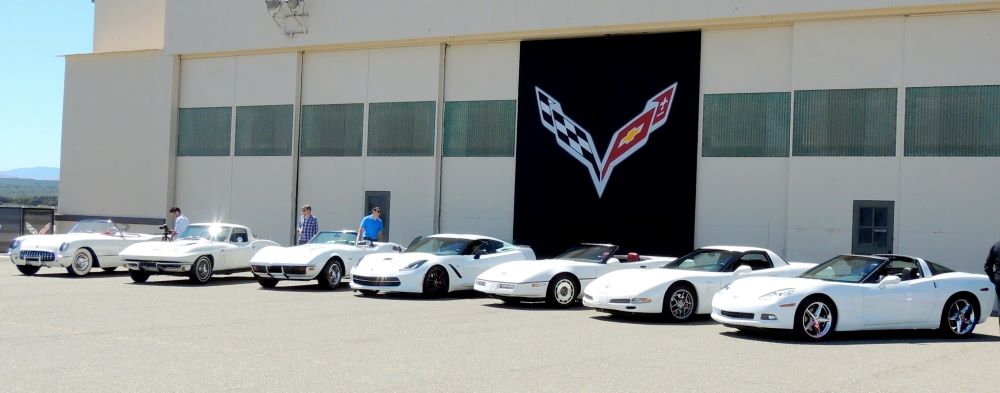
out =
column 103, row 333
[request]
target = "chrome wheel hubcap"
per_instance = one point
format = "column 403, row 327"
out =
column 681, row 304
column 961, row 317
column 82, row 262
column 816, row 320
column 564, row 291
column 202, row 270
column 334, row 275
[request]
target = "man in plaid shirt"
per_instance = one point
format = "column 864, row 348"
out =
column 308, row 225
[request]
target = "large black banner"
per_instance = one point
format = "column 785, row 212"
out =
column 607, row 135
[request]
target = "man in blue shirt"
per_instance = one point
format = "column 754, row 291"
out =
column 371, row 226
column 180, row 222
column 308, row 225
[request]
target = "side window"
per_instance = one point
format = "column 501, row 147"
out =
column 905, row 270
column 492, row 246
column 755, row 260
column 239, row 236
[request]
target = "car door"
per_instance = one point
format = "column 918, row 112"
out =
column 489, row 256
column 758, row 262
column 241, row 249
column 893, row 304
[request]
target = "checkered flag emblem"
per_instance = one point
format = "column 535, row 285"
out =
column 631, row 137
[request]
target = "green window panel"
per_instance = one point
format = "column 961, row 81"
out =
column 401, row 129
column 264, row 130
column 479, row 128
column 204, row 131
column 856, row 122
column 746, row 125
column 953, row 121
column 332, row 130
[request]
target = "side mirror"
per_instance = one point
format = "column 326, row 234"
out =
column 889, row 280
column 743, row 269
column 613, row 260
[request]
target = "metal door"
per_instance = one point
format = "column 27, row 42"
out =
column 873, row 227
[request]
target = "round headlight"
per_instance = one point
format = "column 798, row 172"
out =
column 63, row 247
column 15, row 244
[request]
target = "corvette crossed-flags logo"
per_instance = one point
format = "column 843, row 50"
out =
column 626, row 141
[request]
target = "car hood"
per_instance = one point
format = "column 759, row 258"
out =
column 53, row 242
column 635, row 281
column 303, row 254
column 531, row 270
column 388, row 264
column 755, row 287
column 179, row 248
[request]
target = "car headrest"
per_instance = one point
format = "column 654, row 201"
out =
column 633, row 257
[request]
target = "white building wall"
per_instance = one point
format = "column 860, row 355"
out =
column 128, row 25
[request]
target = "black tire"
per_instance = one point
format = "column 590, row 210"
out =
column 368, row 292
column 435, row 282
column 331, row 275
column 28, row 270
column 201, row 270
column 138, row 275
column 680, row 303
column 267, row 282
column 562, row 291
column 959, row 316
column 83, row 261
column 820, row 328
column 108, row 269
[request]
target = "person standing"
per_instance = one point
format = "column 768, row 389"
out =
column 308, row 225
column 180, row 222
column 992, row 267
column 371, row 226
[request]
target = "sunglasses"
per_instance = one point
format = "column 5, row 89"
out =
column 376, row 211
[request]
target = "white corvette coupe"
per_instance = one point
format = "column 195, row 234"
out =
column 560, row 280
column 434, row 265
column 90, row 244
column 854, row 292
column 328, row 257
column 684, row 287
column 201, row 251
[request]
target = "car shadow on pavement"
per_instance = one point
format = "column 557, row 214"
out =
column 653, row 319
column 180, row 281
column 452, row 296
column 305, row 286
column 61, row 273
column 534, row 306
column 861, row 337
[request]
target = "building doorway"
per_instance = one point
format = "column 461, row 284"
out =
column 380, row 199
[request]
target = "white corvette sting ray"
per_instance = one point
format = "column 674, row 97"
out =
column 560, row 281
column 434, row 265
column 860, row 292
column 328, row 257
column 200, row 252
column 90, row 244
column 684, row 287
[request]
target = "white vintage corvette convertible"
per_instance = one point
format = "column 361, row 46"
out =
column 855, row 292
column 685, row 287
column 434, row 265
column 200, row 252
column 560, row 280
column 90, row 244
column 328, row 257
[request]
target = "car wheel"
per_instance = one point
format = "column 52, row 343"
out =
column 138, row 275
column 82, row 261
column 562, row 291
column 267, row 282
column 368, row 292
column 109, row 269
column 680, row 302
column 201, row 270
column 958, row 319
column 28, row 270
column 815, row 319
column 435, row 282
column 331, row 275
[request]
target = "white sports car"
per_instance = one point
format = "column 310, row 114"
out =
column 684, row 287
column 855, row 292
column 434, row 265
column 328, row 257
column 90, row 244
column 201, row 251
column 560, row 280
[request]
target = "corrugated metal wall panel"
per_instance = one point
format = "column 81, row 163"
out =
column 854, row 122
column 264, row 130
column 332, row 130
column 746, row 125
column 953, row 121
column 480, row 128
column 204, row 131
column 401, row 128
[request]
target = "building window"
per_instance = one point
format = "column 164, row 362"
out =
column 873, row 227
column 953, row 121
column 480, row 128
column 746, row 125
column 401, row 129
column 264, row 130
column 204, row 131
column 332, row 130
column 858, row 122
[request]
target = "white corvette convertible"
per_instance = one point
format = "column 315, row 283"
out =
column 327, row 258
column 90, row 244
column 684, row 287
column 201, row 251
column 434, row 265
column 854, row 292
column 560, row 280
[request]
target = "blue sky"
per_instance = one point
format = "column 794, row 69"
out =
column 35, row 35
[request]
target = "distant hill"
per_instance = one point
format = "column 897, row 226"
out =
column 37, row 173
column 29, row 192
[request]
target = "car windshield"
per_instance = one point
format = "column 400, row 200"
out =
column 215, row 233
column 589, row 253
column 703, row 260
column 440, row 246
column 334, row 237
column 845, row 268
column 95, row 226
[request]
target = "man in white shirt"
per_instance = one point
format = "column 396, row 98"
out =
column 180, row 222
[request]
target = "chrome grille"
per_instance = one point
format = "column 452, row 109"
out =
column 44, row 256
